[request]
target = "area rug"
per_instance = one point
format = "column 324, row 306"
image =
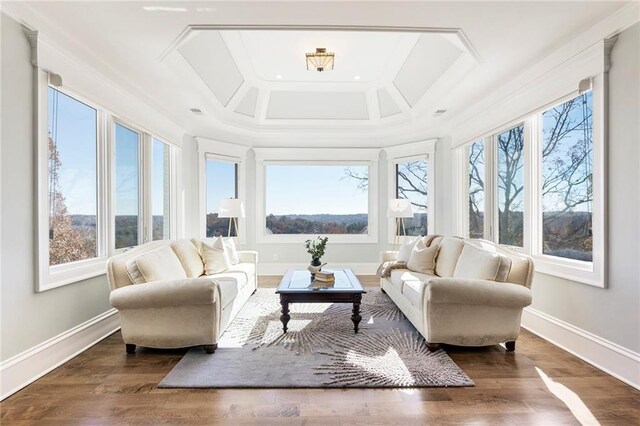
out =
column 319, row 350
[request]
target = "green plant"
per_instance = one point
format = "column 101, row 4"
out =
column 316, row 247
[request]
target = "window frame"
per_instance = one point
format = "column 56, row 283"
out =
column 312, row 156
column 591, row 273
column 424, row 150
column 50, row 277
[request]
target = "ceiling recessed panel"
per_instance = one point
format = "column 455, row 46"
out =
column 388, row 106
column 210, row 58
column 247, row 105
column 427, row 62
column 317, row 105
column 359, row 56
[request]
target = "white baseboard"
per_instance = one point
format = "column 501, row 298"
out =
column 280, row 268
column 28, row 366
column 609, row 357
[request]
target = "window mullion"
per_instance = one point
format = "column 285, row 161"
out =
column 104, row 188
column 145, row 221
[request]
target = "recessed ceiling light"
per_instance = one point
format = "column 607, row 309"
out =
column 356, row 77
column 196, row 111
column 278, row 77
column 439, row 112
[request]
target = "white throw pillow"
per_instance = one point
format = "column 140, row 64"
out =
column 232, row 251
column 215, row 257
column 404, row 252
column 156, row 265
column 475, row 263
column 423, row 258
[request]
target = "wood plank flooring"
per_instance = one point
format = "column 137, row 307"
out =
column 538, row 384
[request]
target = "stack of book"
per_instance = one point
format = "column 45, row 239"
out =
column 325, row 278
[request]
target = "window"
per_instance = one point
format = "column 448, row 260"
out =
column 567, row 174
column 411, row 184
column 91, row 204
column 510, row 147
column 476, row 189
column 72, row 179
column 161, row 190
column 541, row 184
column 221, row 182
column 316, row 199
column 127, row 187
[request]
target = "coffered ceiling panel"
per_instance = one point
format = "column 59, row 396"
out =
column 318, row 105
column 210, row 58
column 427, row 62
column 247, row 105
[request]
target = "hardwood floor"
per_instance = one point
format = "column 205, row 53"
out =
column 537, row 384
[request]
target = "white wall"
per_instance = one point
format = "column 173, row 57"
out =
column 28, row 318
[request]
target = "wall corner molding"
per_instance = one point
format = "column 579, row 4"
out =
column 613, row 359
column 25, row 368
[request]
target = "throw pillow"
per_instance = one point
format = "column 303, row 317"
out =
column 215, row 257
column 156, row 265
column 189, row 256
column 475, row 263
column 232, row 251
column 404, row 252
column 423, row 258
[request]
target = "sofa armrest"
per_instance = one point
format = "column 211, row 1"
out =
column 182, row 292
column 476, row 292
column 388, row 256
column 248, row 256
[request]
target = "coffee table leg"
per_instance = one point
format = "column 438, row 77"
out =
column 285, row 317
column 356, row 318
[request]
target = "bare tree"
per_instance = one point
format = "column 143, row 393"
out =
column 66, row 243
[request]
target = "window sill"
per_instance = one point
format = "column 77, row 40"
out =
column 61, row 275
column 572, row 270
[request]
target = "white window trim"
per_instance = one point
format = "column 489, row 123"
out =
column 591, row 273
column 223, row 151
column 424, row 150
column 50, row 277
column 314, row 156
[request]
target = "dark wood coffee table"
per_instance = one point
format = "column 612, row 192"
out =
column 297, row 286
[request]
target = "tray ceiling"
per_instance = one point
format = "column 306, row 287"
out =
column 259, row 77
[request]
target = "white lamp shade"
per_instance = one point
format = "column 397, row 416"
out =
column 399, row 207
column 231, row 207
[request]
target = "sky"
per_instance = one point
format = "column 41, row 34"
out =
column 75, row 135
column 308, row 189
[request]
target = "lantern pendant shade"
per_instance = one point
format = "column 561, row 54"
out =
column 231, row 207
column 320, row 60
column 399, row 207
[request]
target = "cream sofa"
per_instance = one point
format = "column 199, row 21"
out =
column 464, row 311
column 188, row 311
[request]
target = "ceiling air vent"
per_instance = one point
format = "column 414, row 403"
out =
column 439, row 112
column 196, row 111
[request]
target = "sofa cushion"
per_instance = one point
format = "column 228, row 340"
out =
column 248, row 269
column 505, row 261
column 413, row 291
column 400, row 276
column 156, row 265
column 423, row 258
column 189, row 257
column 476, row 263
column 404, row 252
column 450, row 248
column 215, row 257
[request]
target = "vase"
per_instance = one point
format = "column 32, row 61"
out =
column 314, row 266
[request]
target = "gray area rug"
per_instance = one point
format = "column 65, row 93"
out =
column 319, row 350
